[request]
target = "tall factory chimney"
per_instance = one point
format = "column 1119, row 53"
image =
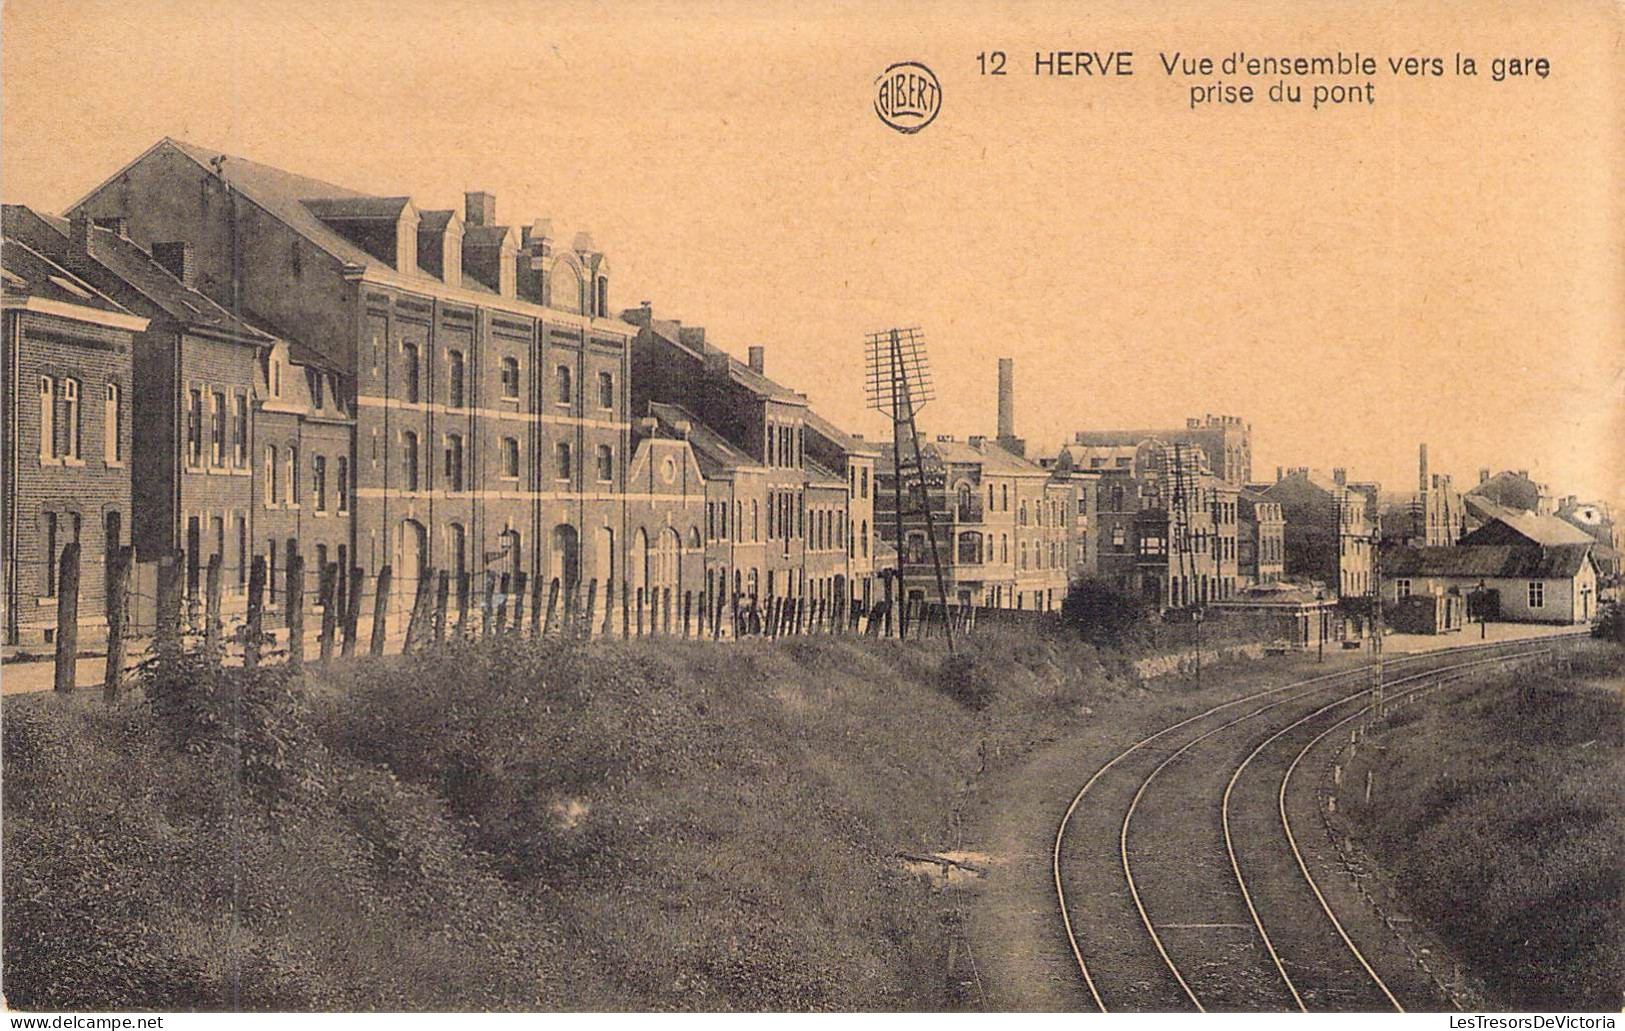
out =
column 1422, row 468
column 1007, row 409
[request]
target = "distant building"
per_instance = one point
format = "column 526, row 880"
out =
column 1260, row 539
column 1330, row 530
column 1434, row 516
column 1226, row 440
column 1514, row 489
column 66, row 379
column 1595, row 519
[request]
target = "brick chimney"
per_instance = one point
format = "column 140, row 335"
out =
column 479, row 208
column 176, row 256
column 1483, row 476
column 758, row 360
column 1340, row 476
column 642, row 315
column 1007, row 399
column 692, row 337
column 1422, row 468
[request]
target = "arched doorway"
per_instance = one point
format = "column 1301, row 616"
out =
column 411, row 558
column 637, row 564
column 566, row 557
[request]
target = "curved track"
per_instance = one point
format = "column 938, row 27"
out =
column 1209, row 900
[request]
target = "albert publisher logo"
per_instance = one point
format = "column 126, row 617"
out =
column 908, row 96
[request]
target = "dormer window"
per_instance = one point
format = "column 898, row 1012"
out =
column 317, row 393
column 276, row 377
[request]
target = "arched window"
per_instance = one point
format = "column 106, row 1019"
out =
column 563, row 466
column 409, row 459
column 864, row 547
column 1004, row 547
column 70, row 418
column 566, row 291
column 454, row 461
column 606, row 463
column 457, row 551
column 563, row 393
column 456, row 395
column 970, row 548
column 510, row 378
column 1004, row 496
column 409, row 370
column 510, row 458
column 606, row 390
column 1021, row 515
column 916, row 548
column 112, row 422
column 1023, row 553
column 964, row 501
column 272, row 474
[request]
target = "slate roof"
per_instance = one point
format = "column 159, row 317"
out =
column 738, row 371
column 991, row 457
column 713, row 451
column 28, row 273
column 1530, row 526
column 134, row 267
column 1488, row 561
column 840, row 438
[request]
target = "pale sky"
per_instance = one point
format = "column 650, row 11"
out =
column 1446, row 264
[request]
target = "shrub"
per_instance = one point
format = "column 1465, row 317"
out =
column 1106, row 616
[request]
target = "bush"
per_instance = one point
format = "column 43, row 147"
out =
column 1106, row 616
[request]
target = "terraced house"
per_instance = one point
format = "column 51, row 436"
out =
column 488, row 386
column 66, row 439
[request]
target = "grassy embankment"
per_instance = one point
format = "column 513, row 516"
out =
column 514, row 825
column 1499, row 819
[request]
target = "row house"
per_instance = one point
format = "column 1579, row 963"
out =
column 487, row 384
column 1330, row 529
column 853, row 458
column 206, row 391
column 1000, row 521
column 67, row 437
column 779, row 517
column 1169, row 528
column 1260, row 539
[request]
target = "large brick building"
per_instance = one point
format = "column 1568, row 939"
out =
column 1330, row 530
column 1226, row 440
column 66, row 439
column 489, row 388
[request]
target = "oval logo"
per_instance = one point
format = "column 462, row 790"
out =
column 908, row 96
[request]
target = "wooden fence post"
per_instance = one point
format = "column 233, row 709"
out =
column 118, row 607
column 67, row 617
column 588, row 618
column 294, row 610
column 519, row 585
column 255, row 624
column 551, row 623
column 626, row 611
column 665, row 611
column 442, row 596
column 688, row 610
column 536, row 605
column 380, row 610
column 609, row 607
column 212, row 620
column 330, row 610
column 352, row 610
column 169, row 604
column 488, row 605
column 465, row 586
column 505, row 582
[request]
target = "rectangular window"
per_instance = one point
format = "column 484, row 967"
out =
column 1537, row 594
column 239, row 430
column 343, row 484
column 454, row 462
column 50, row 554
column 112, row 425
column 1402, row 588
column 194, row 428
column 217, row 429
column 510, row 457
column 272, row 494
column 409, row 459
column 319, row 481
column 293, row 475
column 606, row 463
column 454, row 379
column 409, row 363
column 242, row 551
column 606, row 390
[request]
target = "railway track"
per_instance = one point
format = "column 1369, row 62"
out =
column 1182, row 883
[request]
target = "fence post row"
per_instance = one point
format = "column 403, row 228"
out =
column 118, row 607
column 256, row 614
column 294, row 609
column 330, row 614
column 380, row 610
column 67, row 617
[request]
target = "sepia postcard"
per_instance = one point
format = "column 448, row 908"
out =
column 538, row 506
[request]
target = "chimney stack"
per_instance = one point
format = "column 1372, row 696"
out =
column 176, row 256
column 758, row 357
column 1007, row 399
column 479, row 208
column 1340, row 476
column 1422, row 467
column 1279, row 474
column 80, row 227
column 1483, row 476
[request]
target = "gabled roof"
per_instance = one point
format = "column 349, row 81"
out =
column 738, row 371
column 133, row 267
column 838, row 437
column 389, row 208
column 1488, row 561
column 993, row 459
column 1518, row 524
column 819, row 476
column 711, row 448
column 28, row 273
